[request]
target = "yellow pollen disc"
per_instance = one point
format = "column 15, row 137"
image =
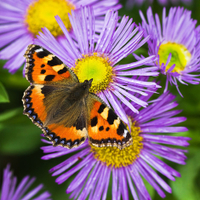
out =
column 117, row 158
column 41, row 13
column 180, row 56
column 96, row 67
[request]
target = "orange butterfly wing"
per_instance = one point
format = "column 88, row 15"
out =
column 43, row 71
column 106, row 128
column 42, row 67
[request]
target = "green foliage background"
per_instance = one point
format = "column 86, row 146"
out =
column 20, row 140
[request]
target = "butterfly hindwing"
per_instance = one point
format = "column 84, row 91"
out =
column 69, row 131
column 105, row 127
column 42, row 67
column 65, row 136
column 60, row 134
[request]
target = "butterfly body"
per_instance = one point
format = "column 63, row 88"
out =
column 64, row 108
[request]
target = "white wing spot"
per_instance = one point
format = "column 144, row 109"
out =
column 125, row 133
column 39, row 50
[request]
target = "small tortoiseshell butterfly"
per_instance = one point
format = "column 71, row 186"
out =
column 64, row 108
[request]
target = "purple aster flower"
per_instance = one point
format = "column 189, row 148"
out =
column 131, row 3
column 100, row 60
column 10, row 191
column 20, row 22
column 175, row 43
column 150, row 130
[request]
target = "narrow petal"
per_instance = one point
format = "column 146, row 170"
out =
column 62, row 178
column 58, row 169
column 33, row 192
column 165, row 139
column 159, row 165
column 82, row 175
column 138, row 181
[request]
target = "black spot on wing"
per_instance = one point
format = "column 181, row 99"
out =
column 107, row 129
column 49, row 77
column 101, row 128
column 43, row 65
column 94, row 121
column 46, row 90
column 42, row 54
column 101, row 108
column 54, row 61
column 43, row 71
column 62, row 71
column 121, row 128
column 111, row 116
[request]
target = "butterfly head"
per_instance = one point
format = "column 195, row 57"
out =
column 81, row 90
column 87, row 84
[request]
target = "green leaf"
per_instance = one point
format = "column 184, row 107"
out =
column 186, row 186
column 13, row 80
column 18, row 135
column 3, row 94
column 9, row 114
column 18, row 139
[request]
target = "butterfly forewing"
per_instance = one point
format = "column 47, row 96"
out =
column 105, row 127
column 43, row 67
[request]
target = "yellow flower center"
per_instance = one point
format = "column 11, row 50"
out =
column 115, row 157
column 97, row 67
column 180, row 56
column 40, row 13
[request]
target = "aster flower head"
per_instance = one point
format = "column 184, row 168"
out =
column 20, row 22
column 99, row 60
column 10, row 191
column 95, row 166
column 175, row 43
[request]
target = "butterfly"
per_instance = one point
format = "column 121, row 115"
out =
column 64, row 108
